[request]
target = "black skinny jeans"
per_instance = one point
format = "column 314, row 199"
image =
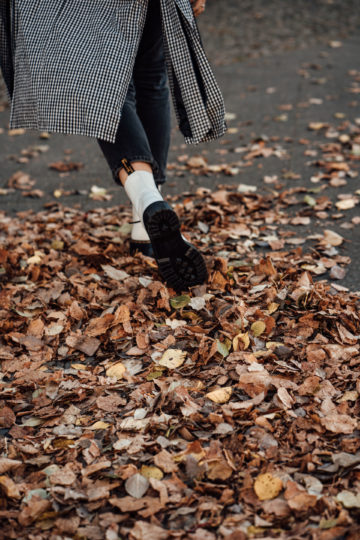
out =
column 144, row 129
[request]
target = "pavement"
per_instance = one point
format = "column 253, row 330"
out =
column 281, row 66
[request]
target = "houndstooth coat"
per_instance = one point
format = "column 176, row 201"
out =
column 67, row 65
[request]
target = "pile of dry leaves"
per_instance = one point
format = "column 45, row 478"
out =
column 128, row 411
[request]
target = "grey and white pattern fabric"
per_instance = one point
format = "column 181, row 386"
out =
column 68, row 64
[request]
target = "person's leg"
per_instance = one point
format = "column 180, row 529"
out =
column 131, row 143
column 152, row 92
column 180, row 264
column 131, row 147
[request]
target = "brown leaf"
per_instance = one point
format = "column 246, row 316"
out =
column 285, row 398
column 63, row 477
column 165, row 461
column 75, row 311
column 85, row 344
column 339, row 423
column 62, row 166
column 110, row 403
column 298, row 499
column 144, row 531
column 7, row 464
column 7, row 417
column 219, row 470
column 99, row 325
column 266, row 267
column 9, row 487
column 34, row 510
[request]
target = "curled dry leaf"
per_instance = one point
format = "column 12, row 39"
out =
column 100, row 425
column 63, row 477
column 146, row 531
column 221, row 395
column 7, row 464
column 339, row 423
column 285, row 398
column 242, row 338
column 116, row 370
column 85, row 344
column 298, row 499
column 349, row 499
column 332, row 238
column 9, row 487
column 114, row 273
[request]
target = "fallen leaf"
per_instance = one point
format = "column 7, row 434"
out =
column 339, row 423
column 85, row 344
column 244, row 338
column 9, row 487
column 151, row 472
column 116, row 370
column 221, row 395
column 178, row 302
column 7, row 464
column 148, row 531
column 222, row 348
column 7, row 417
column 332, row 238
column 137, row 485
column 346, row 204
column 349, row 499
column 114, row 273
column 267, row 486
column 99, row 425
column 172, row 358
column 258, row 328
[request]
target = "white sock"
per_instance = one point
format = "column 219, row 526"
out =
column 141, row 189
column 138, row 231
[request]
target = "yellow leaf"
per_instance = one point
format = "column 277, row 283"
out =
column 258, row 328
column 273, row 344
column 267, row 486
column 349, row 395
column 100, row 425
column 57, row 244
column 173, row 358
column 116, row 370
column 10, row 488
column 241, row 337
column 35, row 259
column 272, row 307
column 78, row 366
column 222, row 395
column 152, row 472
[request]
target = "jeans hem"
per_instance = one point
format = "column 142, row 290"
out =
column 145, row 159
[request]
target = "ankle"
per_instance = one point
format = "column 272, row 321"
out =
column 130, row 167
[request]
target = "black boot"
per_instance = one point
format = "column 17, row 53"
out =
column 180, row 264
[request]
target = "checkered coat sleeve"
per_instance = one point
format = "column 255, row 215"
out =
column 67, row 65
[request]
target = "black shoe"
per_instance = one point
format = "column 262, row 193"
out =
column 143, row 246
column 180, row 264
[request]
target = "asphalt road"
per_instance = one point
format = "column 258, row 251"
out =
column 281, row 66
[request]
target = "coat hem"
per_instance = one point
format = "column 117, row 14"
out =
column 103, row 135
